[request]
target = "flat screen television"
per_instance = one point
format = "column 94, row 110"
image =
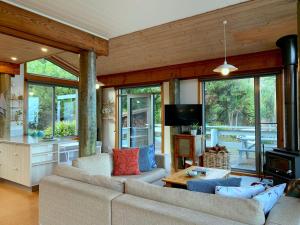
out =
column 183, row 114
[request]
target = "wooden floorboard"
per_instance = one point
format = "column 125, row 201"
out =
column 18, row 206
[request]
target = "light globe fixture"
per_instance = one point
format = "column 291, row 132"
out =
column 225, row 68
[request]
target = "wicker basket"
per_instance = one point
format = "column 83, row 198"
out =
column 216, row 159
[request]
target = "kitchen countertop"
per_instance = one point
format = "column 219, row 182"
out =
column 28, row 140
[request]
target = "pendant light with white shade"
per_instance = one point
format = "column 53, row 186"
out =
column 225, row 68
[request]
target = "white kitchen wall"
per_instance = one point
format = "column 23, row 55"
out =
column 189, row 91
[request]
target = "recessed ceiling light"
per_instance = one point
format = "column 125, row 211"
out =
column 14, row 58
column 44, row 49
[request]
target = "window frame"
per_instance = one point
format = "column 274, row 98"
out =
column 53, row 106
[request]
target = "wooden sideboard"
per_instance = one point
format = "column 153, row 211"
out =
column 187, row 147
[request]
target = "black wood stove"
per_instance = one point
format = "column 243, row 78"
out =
column 284, row 164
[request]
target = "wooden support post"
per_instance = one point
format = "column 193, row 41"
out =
column 99, row 114
column 298, row 21
column 5, row 96
column 174, row 92
column 87, row 104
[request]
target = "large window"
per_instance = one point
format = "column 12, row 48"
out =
column 140, row 117
column 52, row 111
column 241, row 115
column 40, row 110
column 43, row 67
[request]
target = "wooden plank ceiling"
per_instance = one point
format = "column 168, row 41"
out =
column 23, row 50
column 252, row 27
column 30, row 26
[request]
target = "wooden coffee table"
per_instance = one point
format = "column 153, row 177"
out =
column 179, row 179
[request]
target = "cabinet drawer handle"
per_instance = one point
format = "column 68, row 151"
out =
column 16, row 154
column 16, row 169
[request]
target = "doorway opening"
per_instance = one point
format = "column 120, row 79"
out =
column 140, row 117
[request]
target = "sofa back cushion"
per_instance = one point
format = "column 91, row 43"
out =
column 100, row 164
column 112, row 183
column 74, row 173
column 242, row 210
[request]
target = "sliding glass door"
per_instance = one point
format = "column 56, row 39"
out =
column 241, row 115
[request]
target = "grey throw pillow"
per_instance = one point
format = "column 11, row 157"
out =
column 208, row 186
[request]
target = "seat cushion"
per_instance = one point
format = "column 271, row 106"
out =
column 150, row 176
column 286, row 209
column 246, row 211
column 100, row 164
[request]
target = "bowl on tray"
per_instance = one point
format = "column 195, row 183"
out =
column 196, row 172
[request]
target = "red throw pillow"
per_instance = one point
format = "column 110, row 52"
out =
column 126, row 162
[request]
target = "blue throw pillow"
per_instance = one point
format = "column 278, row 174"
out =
column 209, row 186
column 145, row 162
column 240, row 192
column 268, row 198
column 152, row 156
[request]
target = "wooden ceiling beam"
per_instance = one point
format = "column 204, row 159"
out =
column 26, row 25
column 9, row 68
column 260, row 62
column 36, row 78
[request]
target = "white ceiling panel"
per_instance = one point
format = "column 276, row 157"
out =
column 113, row 18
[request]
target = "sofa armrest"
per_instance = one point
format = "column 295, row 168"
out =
column 286, row 209
column 66, row 201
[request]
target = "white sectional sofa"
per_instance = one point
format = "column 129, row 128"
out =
column 73, row 197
